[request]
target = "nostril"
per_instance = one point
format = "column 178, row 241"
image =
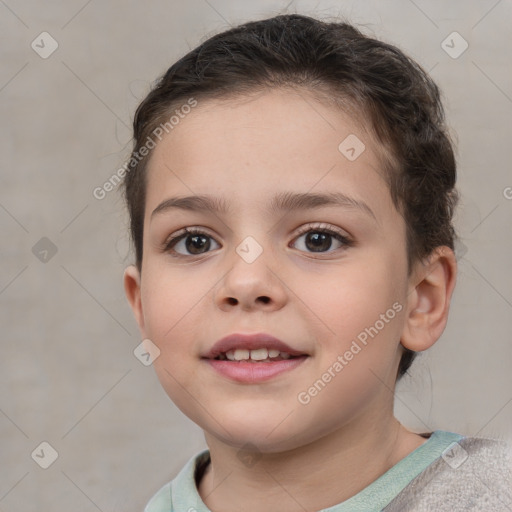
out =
column 233, row 302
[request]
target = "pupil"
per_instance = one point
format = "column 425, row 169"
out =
column 197, row 243
column 320, row 241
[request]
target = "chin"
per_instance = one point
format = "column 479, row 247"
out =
column 268, row 432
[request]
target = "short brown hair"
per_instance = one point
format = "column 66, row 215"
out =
column 393, row 92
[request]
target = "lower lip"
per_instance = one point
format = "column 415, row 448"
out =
column 251, row 373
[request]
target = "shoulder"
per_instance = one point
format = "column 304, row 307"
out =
column 471, row 474
column 181, row 492
column 161, row 501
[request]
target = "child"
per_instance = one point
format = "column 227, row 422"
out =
column 291, row 191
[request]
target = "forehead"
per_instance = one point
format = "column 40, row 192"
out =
column 296, row 115
column 276, row 140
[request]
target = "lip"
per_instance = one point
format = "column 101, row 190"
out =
column 250, row 342
column 253, row 372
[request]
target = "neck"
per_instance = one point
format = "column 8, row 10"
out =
column 318, row 475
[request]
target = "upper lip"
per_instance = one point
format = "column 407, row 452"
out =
column 249, row 342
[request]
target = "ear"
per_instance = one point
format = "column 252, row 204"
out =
column 132, row 290
column 430, row 290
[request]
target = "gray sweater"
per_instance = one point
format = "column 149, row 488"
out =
column 477, row 477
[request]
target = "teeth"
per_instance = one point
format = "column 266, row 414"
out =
column 259, row 354
column 240, row 354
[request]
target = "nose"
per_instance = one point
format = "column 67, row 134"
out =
column 251, row 286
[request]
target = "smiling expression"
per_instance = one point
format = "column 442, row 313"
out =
column 285, row 236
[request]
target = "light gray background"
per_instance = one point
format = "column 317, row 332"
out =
column 68, row 373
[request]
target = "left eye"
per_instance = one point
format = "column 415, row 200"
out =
column 321, row 240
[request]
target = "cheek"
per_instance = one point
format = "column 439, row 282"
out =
column 352, row 298
column 361, row 315
column 166, row 303
column 169, row 293
column 170, row 311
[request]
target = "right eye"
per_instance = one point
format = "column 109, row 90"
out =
column 189, row 242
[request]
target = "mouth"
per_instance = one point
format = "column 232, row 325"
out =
column 259, row 355
column 253, row 358
column 253, row 347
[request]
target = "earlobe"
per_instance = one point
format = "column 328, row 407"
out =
column 428, row 303
column 133, row 294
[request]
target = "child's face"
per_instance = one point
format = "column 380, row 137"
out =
column 315, row 294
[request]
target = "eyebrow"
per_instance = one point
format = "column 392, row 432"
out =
column 285, row 201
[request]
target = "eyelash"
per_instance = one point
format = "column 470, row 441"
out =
column 318, row 228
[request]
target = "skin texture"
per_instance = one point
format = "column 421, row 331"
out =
column 308, row 456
